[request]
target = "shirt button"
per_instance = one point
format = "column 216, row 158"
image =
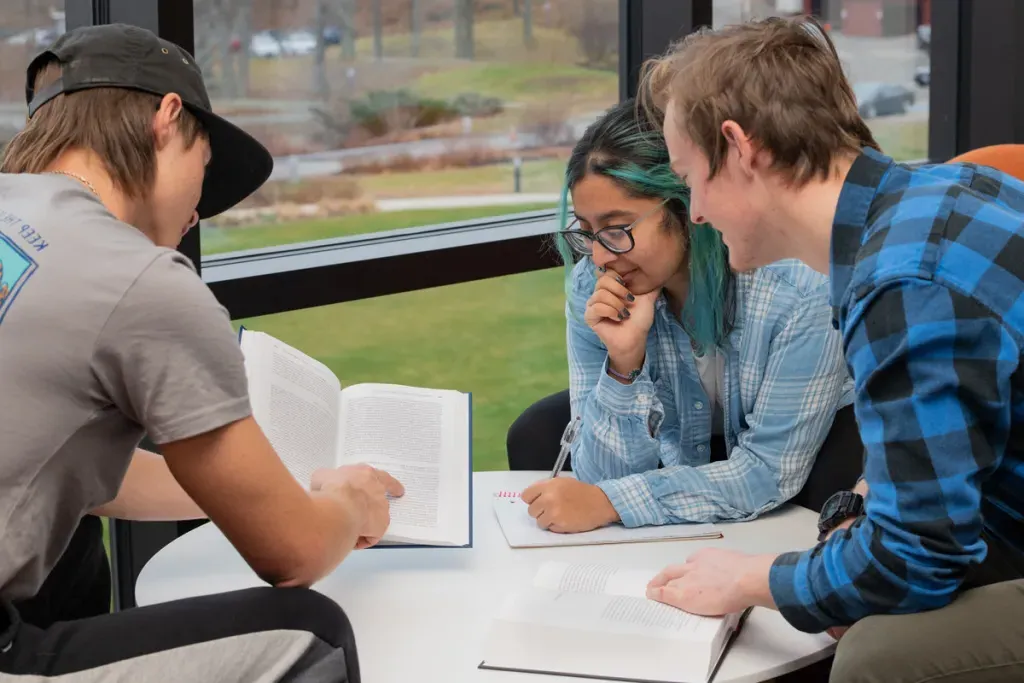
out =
column 701, row 448
column 699, row 405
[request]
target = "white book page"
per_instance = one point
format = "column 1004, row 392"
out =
column 613, row 614
column 295, row 401
column 593, row 578
column 521, row 530
column 420, row 437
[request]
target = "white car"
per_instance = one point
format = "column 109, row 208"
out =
column 264, row 46
column 298, row 43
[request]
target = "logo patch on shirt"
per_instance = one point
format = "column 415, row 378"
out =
column 16, row 267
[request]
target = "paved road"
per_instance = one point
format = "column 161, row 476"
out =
column 460, row 202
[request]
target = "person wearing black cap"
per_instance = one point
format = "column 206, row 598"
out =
column 107, row 334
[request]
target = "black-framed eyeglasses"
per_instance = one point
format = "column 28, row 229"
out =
column 616, row 239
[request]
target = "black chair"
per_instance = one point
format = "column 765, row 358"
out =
column 532, row 443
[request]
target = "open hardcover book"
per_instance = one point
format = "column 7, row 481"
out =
column 422, row 437
column 595, row 621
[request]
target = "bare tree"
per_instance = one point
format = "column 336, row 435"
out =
column 244, row 29
column 217, row 26
column 347, row 21
column 527, row 22
column 415, row 26
column 464, row 29
column 320, row 84
column 378, row 31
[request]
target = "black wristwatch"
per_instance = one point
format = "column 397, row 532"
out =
column 840, row 507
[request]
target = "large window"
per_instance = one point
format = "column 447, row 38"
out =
column 386, row 114
column 23, row 33
column 884, row 46
column 503, row 339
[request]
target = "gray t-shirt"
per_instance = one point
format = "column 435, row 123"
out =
column 104, row 337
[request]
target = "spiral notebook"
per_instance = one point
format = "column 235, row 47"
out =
column 521, row 530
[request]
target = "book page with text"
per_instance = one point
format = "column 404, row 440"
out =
column 593, row 578
column 420, row 437
column 295, row 401
column 612, row 614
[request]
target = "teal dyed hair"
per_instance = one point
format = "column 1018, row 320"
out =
column 623, row 146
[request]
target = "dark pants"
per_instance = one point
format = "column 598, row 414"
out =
column 79, row 584
column 533, row 442
column 267, row 634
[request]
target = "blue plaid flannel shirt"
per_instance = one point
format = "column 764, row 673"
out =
column 928, row 282
column 784, row 380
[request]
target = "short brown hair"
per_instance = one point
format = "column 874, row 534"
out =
column 779, row 79
column 115, row 123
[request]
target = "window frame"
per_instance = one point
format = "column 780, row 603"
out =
column 972, row 56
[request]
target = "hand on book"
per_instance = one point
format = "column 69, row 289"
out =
column 366, row 489
column 566, row 505
column 714, row 582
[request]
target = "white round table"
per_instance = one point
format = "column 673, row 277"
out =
column 421, row 614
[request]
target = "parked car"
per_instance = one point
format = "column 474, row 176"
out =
column 923, row 76
column 264, row 46
column 298, row 43
column 882, row 99
column 332, row 35
column 924, row 37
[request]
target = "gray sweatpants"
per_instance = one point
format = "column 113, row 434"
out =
column 259, row 635
column 978, row 638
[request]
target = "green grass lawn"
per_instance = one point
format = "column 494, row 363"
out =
column 216, row 240
column 502, row 339
column 902, row 140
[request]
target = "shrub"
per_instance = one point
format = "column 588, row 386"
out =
column 382, row 111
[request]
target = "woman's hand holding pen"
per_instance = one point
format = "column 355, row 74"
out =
column 621, row 321
column 566, row 505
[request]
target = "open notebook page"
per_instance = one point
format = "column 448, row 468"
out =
column 295, row 402
column 521, row 530
column 420, row 436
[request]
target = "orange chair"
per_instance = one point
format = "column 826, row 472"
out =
column 1006, row 158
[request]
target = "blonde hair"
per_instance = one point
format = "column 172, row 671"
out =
column 779, row 79
column 115, row 123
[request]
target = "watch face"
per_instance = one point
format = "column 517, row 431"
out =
column 832, row 509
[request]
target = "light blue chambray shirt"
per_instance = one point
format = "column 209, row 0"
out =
column 784, row 379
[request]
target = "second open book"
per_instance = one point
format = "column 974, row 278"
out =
column 595, row 621
column 420, row 436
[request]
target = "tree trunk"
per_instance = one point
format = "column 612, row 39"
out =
column 347, row 21
column 416, row 26
column 225, row 26
column 320, row 84
column 378, row 31
column 244, row 38
column 528, row 23
column 464, row 29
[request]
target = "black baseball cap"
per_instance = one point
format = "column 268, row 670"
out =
column 125, row 56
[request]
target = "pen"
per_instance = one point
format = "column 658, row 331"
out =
column 572, row 430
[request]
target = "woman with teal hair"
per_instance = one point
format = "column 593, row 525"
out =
column 703, row 395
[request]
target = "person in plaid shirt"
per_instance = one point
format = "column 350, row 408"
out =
column 923, row 561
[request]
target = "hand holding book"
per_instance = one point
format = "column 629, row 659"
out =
column 366, row 490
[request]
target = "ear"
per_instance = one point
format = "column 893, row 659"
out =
column 742, row 151
column 165, row 123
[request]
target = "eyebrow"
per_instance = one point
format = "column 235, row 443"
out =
column 609, row 215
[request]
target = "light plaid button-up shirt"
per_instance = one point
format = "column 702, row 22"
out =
column 784, row 379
